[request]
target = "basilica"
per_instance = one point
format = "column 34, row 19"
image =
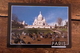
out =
column 39, row 22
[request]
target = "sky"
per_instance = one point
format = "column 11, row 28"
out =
column 50, row 13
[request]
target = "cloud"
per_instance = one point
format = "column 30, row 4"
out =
column 50, row 23
column 49, row 17
column 63, row 23
column 53, row 23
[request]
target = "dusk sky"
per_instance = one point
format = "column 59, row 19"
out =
column 50, row 13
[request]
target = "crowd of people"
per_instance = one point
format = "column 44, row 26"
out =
column 16, row 36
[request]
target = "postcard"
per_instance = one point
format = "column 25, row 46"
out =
column 39, row 26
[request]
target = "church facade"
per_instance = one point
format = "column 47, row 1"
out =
column 39, row 22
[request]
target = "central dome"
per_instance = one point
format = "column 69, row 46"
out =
column 40, row 17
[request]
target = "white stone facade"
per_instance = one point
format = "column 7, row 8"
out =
column 39, row 22
column 37, row 26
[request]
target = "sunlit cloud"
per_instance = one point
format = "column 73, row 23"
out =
column 49, row 17
column 62, row 24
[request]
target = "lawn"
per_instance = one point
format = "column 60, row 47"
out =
column 63, row 29
column 32, row 30
column 37, row 30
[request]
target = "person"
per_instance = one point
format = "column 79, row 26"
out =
column 54, row 36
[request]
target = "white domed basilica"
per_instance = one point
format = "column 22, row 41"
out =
column 39, row 22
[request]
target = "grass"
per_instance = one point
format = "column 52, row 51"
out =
column 64, row 29
column 14, row 28
column 37, row 30
column 32, row 30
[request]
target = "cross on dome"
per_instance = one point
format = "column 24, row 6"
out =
column 40, row 16
column 40, row 12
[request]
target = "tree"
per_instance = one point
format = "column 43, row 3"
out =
column 15, row 22
column 14, row 17
column 55, row 25
column 59, row 21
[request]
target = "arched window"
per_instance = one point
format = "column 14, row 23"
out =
column 43, row 23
